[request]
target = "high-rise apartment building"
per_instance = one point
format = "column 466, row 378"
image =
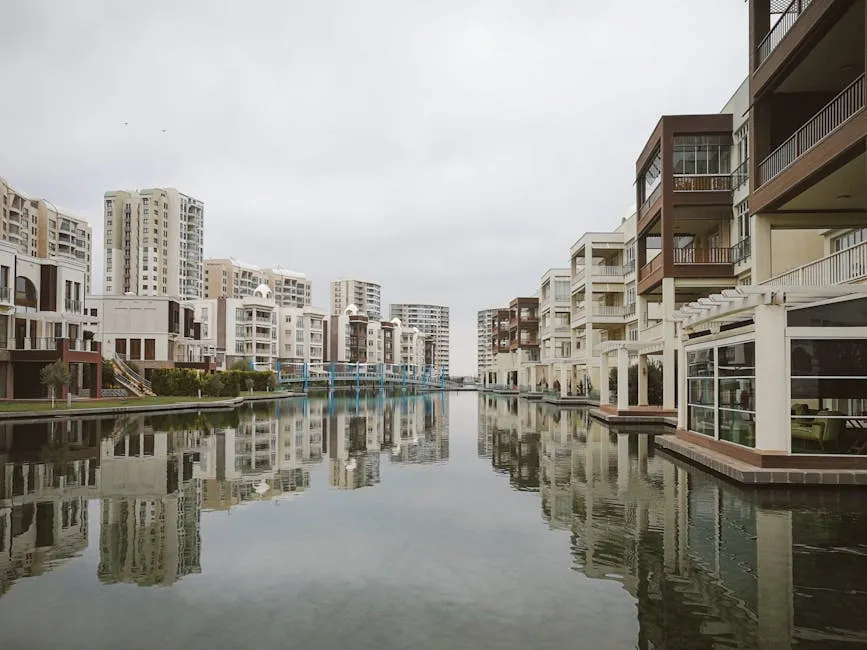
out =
column 485, row 348
column 38, row 228
column 153, row 243
column 431, row 320
column 366, row 296
column 231, row 278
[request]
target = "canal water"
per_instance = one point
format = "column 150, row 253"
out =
column 440, row 521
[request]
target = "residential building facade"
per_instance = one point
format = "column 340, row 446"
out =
column 232, row 278
column 365, row 295
column 38, row 228
column 42, row 320
column 150, row 332
column 153, row 243
column 432, row 321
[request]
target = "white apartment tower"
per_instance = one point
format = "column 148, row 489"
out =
column 431, row 320
column 485, row 349
column 153, row 243
column 366, row 296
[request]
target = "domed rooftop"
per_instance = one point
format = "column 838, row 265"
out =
column 262, row 291
column 351, row 310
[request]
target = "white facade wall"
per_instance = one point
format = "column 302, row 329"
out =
column 431, row 320
column 365, row 295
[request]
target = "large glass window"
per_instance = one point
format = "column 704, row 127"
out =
column 651, row 176
column 697, row 155
column 700, row 389
column 829, row 396
column 737, row 393
column 848, row 313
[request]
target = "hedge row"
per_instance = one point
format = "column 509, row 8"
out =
column 183, row 382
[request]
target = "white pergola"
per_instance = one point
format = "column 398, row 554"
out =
column 766, row 306
column 624, row 350
column 731, row 305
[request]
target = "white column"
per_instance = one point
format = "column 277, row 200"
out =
column 532, row 379
column 641, row 312
column 622, row 379
column 684, row 391
column 603, row 379
column 668, row 351
column 564, row 388
column 642, row 380
column 760, row 245
column 772, row 372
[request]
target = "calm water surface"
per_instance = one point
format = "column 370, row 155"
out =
column 460, row 521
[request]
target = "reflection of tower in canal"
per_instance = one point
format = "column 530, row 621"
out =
column 354, row 439
column 149, row 532
column 266, row 456
column 515, row 443
column 47, row 473
column 423, row 429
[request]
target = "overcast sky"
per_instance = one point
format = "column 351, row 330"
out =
column 451, row 150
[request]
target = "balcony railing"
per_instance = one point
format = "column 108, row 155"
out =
column 703, row 183
column 842, row 267
column 652, row 266
column 838, row 111
column 702, row 255
column 49, row 343
column 784, row 23
column 741, row 176
column 741, row 250
column 609, row 271
column 616, row 311
column 71, row 305
column 650, row 200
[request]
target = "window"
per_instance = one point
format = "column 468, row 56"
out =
column 700, row 392
column 849, row 239
column 737, row 393
column 743, row 212
column 135, row 349
column 829, row 395
column 150, row 350
column 651, row 176
column 697, row 155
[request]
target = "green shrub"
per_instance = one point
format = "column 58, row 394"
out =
column 212, row 385
column 181, row 382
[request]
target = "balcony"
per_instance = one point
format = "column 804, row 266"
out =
column 615, row 273
column 836, row 113
column 784, row 23
column 741, row 176
column 73, row 306
column 50, row 344
column 703, row 183
column 702, row 255
column 842, row 267
column 609, row 311
column 651, row 267
column 650, row 200
column 741, row 251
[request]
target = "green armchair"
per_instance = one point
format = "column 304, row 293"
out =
column 824, row 429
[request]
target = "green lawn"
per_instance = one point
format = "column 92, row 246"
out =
column 37, row 405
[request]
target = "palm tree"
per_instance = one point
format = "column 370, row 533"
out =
column 54, row 376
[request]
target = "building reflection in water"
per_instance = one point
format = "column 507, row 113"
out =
column 708, row 563
column 155, row 474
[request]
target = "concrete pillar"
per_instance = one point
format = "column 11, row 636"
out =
column 668, row 351
column 642, row 380
column 773, row 403
column 603, row 379
column 532, row 379
column 760, row 245
column 774, row 578
column 564, row 387
column 641, row 312
column 622, row 379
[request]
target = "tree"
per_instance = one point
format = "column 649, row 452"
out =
column 240, row 364
column 250, row 383
column 654, row 383
column 55, row 375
